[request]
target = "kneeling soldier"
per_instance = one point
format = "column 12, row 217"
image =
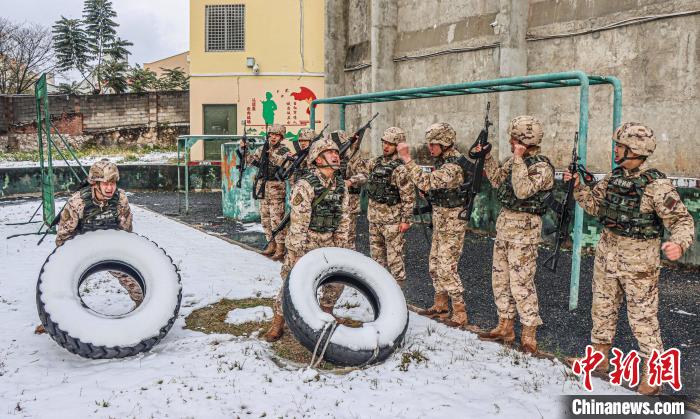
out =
column 318, row 202
column 634, row 203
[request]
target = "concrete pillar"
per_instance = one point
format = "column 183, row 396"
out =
column 335, row 46
column 512, row 27
column 382, row 40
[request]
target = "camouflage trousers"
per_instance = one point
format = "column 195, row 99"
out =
column 130, row 285
column 626, row 267
column 272, row 210
column 329, row 293
column 445, row 251
column 386, row 244
column 513, row 281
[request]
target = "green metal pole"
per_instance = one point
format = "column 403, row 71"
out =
column 342, row 117
column 617, row 111
column 187, row 177
column 578, row 213
column 312, row 117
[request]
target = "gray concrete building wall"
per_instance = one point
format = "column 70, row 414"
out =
column 653, row 52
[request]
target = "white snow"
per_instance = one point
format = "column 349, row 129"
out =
column 246, row 315
column 685, row 313
column 157, row 157
column 191, row 374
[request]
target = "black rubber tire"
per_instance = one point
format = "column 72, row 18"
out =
column 87, row 349
column 306, row 335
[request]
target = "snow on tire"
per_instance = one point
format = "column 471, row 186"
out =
column 89, row 334
column 372, row 343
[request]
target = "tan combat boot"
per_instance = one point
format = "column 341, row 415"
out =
column 279, row 252
column 605, row 363
column 644, row 387
column 459, row 316
column 440, row 306
column 504, row 332
column 528, row 339
column 274, row 333
column 270, row 249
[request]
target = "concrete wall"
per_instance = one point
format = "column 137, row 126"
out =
column 127, row 119
column 651, row 45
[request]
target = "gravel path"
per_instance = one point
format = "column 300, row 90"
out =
column 564, row 331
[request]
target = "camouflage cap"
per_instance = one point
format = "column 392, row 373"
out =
column 639, row 138
column 277, row 129
column 441, row 133
column 526, row 129
column 306, row 134
column 103, row 171
column 320, row 146
column 394, row 135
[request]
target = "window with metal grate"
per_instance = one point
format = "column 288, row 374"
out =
column 225, row 27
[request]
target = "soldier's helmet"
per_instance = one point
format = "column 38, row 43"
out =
column 394, row 135
column 277, row 129
column 441, row 133
column 103, row 171
column 526, row 129
column 320, row 146
column 306, row 134
column 639, row 138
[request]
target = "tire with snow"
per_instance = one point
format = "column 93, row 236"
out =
column 82, row 331
column 372, row 343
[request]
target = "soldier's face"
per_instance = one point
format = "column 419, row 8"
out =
column 388, row 148
column 275, row 139
column 329, row 157
column 435, row 150
column 106, row 189
column 620, row 150
column 304, row 144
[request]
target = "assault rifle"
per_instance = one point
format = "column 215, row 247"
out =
column 565, row 208
column 262, row 165
column 478, row 172
column 356, row 138
column 284, row 173
column 242, row 156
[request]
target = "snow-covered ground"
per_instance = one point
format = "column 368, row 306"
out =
column 158, row 157
column 440, row 372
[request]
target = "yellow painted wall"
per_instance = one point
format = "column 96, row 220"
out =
column 273, row 38
column 179, row 60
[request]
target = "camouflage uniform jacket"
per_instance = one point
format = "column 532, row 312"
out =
column 515, row 226
column 660, row 197
column 273, row 189
column 448, row 176
column 382, row 213
column 73, row 212
column 300, row 238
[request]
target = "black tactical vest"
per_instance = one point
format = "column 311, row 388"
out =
column 620, row 210
column 96, row 218
column 379, row 187
column 326, row 211
column 452, row 197
column 535, row 204
column 272, row 168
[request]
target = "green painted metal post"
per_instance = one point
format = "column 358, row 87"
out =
column 43, row 119
column 578, row 212
column 312, row 117
column 342, row 117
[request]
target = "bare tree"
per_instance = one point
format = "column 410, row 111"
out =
column 25, row 52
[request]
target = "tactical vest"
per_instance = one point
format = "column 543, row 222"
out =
column 272, row 168
column 96, row 218
column 379, row 187
column 452, row 197
column 326, row 212
column 535, row 204
column 620, row 211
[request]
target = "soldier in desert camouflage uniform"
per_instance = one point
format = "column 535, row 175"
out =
column 318, row 202
column 391, row 199
column 305, row 137
column 272, row 205
column 347, row 170
column 524, row 183
column 634, row 203
column 444, row 190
